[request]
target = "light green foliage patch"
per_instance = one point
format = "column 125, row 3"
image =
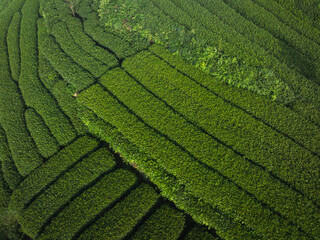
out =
column 144, row 19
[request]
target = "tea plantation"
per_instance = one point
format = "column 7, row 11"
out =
column 168, row 119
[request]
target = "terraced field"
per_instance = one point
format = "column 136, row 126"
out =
column 105, row 134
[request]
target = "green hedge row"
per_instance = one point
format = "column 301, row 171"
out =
column 23, row 149
column 296, row 51
column 268, row 37
column 285, row 26
column 216, row 33
column 108, row 40
column 48, row 76
column 34, row 93
column 67, row 44
column 129, row 41
column 206, row 149
column 4, row 5
column 45, row 142
column 119, row 220
column 8, row 167
column 85, row 10
column 48, row 172
column 4, row 194
column 63, row 64
column 59, row 89
column 13, row 45
column 199, row 233
column 278, row 116
column 204, row 183
column 170, row 187
column 296, row 23
column 5, row 190
column 68, row 185
column 87, row 44
column 165, row 222
column 231, row 125
column 69, row 105
column 88, row 205
column 308, row 10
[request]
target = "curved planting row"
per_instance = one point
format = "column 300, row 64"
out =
column 305, row 51
column 172, row 133
column 13, row 40
column 75, row 28
column 65, row 40
column 8, row 168
column 57, row 195
column 80, row 193
column 171, row 188
column 199, row 178
column 271, row 17
column 45, row 142
column 62, row 63
column 59, row 89
column 218, row 120
column 300, row 25
column 22, row 147
column 215, row 32
column 306, row 11
column 33, row 92
column 108, row 39
column 269, row 112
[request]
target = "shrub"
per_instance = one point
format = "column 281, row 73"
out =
column 69, row 185
column 119, row 220
column 13, row 45
column 198, row 177
column 68, row 104
column 48, row 172
column 8, row 168
column 63, row 64
column 34, row 93
column 170, row 187
column 84, row 208
column 22, row 147
column 165, row 222
column 46, row 144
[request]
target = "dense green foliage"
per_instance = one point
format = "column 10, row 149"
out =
column 34, row 93
column 13, row 38
column 63, row 64
column 119, row 220
column 198, row 177
column 199, row 233
column 23, row 149
column 170, row 187
column 49, row 171
column 308, row 10
column 165, row 222
column 203, row 116
column 89, row 203
column 46, row 144
column 8, row 167
column 58, row 194
column 111, row 109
